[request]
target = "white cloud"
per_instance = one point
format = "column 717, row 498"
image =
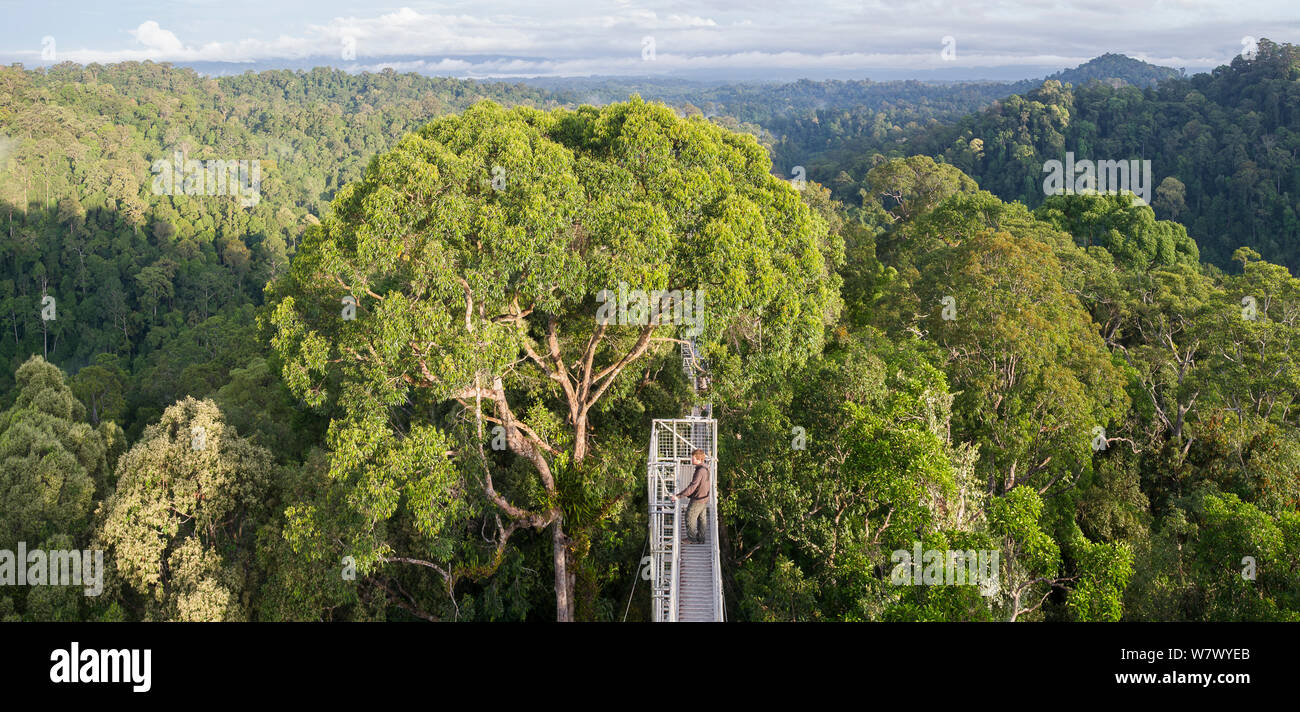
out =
column 156, row 38
column 518, row 38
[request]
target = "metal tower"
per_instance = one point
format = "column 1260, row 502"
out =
column 686, row 579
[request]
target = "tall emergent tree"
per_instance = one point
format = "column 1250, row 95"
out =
column 469, row 267
column 52, row 463
column 180, row 526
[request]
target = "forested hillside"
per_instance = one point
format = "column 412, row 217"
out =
column 157, row 291
column 382, row 391
column 827, row 126
column 1222, row 148
column 1115, row 69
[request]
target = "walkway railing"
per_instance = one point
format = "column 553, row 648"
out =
column 686, row 582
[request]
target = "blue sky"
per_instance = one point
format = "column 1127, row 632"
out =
column 508, row 38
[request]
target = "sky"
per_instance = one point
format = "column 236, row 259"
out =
column 1002, row 39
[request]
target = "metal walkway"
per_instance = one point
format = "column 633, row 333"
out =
column 686, row 579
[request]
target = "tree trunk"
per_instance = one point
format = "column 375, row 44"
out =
column 580, row 437
column 565, row 580
column 563, row 584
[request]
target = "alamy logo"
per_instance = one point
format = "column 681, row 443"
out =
column 949, row 311
column 57, row 567
column 1249, row 308
column 187, row 176
column 91, row 665
column 1099, row 441
column 641, row 308
column 1097, row 177
column 947, row 567
column 799, row 177
column 949, row 51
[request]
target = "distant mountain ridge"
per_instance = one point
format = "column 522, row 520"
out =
column 1222, row 146
column 760, row 101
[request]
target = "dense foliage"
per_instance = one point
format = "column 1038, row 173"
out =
column 386, row 391
column 1222, row 147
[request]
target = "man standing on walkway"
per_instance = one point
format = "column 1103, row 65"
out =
column 698, row 490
